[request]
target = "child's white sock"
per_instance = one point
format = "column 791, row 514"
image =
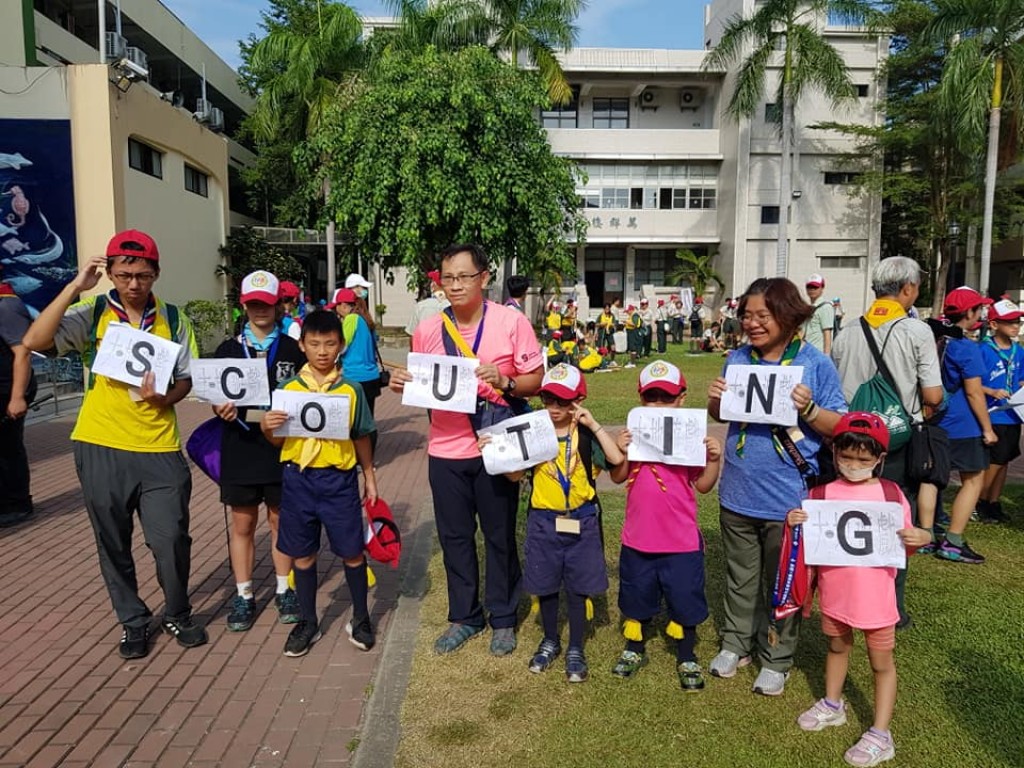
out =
column 282, row 584
column 245, row 589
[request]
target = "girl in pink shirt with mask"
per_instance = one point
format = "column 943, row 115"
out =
column 857, row 597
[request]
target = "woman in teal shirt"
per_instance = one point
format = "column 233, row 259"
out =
column 359, row 358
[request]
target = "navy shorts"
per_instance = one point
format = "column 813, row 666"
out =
column 968, row 454
column 553, row 559
column 316, row 497
column 678, row 577
column 1008, row 447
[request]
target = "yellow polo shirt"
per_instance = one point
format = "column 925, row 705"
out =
column 340, row 454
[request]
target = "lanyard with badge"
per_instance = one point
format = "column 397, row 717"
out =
column 256, row 414
column 563, row 523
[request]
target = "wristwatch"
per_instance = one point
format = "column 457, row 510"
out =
column 511, row 385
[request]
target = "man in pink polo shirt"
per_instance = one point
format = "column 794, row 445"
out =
column 510, row 365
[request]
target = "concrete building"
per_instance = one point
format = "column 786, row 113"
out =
column 97, row 143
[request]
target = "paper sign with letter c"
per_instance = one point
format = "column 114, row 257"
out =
column 859, row 533
column 231, row 380
column 441, row 382
column 126, row 354
column 312, row 414
column 519, row 443
column 760, row 394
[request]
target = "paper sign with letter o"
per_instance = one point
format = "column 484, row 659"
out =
column 668, row 435
column 859, row 533
column 126, row 354
column 441, row 382
column 760, row 394
column 231, row 380
column 312, row 414
column 519, row 443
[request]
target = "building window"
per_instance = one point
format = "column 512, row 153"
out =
column 590, row 198
column 769, row 214
column 562, row 115
column 143, row 157
column 841, row 177
column 702, row 198
column 611, row 113
column 650, row 266
column 772, row 113
column 840, row 262
column 196, row 181
column 615, row 197
column 862, row 91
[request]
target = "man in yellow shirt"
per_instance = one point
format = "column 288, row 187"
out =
column 126, row 443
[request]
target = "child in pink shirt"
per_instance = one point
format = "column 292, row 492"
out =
column 859, row 597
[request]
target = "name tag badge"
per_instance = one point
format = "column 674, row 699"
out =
column 796, row 434
column 567, row 525
column 255, row 415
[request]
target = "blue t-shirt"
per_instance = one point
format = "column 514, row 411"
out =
column 359, row 358
column 999, row 363
column 764, row 483
column 962, row 360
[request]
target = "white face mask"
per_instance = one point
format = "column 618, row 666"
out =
column 854, row 474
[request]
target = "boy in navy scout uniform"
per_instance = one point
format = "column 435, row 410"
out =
column 320, row 487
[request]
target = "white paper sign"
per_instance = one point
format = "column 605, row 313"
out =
column 854, row 533
column 231, row 380
column 441, row 382
column 127, row 353
column 668, row 435
column 519, row 443
column 760, row 394
column 1015, row 402
column 312, row 414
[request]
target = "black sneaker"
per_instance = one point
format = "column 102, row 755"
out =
column 958, row 554
column 134, row 642
column 301, row 638
column 185, row 631
column 287, row 607
column 992, row 512
column 243, row 614
column 360, row 633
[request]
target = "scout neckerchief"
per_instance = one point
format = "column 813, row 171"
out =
column 882, row 311
column 248, row 339
column 1009, row 358
column 788, row 355
column 311, row 445
column 148, row 315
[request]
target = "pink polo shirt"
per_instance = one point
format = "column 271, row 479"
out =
column 661, row 508
column 508, row 341
column 864, row 598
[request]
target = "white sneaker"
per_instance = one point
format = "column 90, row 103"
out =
column 770, row 683
column 629, row 365
column 726, row 663
column 821, row 715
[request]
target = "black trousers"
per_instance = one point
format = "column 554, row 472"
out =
column 15, row 499
column 371, row 391
column 895, row 469
column 462, row 493
column 662, row 337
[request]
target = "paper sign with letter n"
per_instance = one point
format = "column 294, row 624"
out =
column 126, row 354
column 312, row 414
column 668, row 435
column 441, row 382
column 858, row 533
column 519, row 443
column 760, row 394
column 231, row 380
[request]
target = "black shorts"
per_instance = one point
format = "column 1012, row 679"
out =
column 968, row 454
column 731, row 325
column 251, row 495
column 1008, row 447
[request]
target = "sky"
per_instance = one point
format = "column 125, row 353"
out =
column 606, row 23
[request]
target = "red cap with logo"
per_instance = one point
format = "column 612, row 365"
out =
column 564, row 381
column 132, row 242
column 1005, row 310
column 963, row 299
column 664, row 376
column 863, row 423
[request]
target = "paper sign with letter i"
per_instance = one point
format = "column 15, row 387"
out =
column 231, row 380
column 519, row 443
column 441, row 382
column 668, row 435
column 760, row 394
column 126, row 354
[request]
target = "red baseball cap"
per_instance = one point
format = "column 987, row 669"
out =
column 260, row 286
column 863, row 423
column 564, row 381
column 383, row 539
column 342, row 296
column 664, row 376
column 132, row 242
column 963, row 299
column 289, row 290
column 1005, row 310
column 435, row 276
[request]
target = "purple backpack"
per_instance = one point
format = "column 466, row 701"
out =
column 203, row 447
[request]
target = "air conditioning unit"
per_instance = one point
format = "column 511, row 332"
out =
column 649, row 98
column 203, row 110
column 116, row 45
column 691, row 98
column 138, row 57
column 216, row 122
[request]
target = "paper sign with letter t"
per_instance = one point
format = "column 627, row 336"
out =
column 760, row 394
column 126, row 354
column 668, row 435
column 519, row 443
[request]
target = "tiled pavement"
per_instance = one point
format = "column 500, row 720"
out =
column 68, row 699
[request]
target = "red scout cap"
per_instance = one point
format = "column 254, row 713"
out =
column 863, row 423
column 132, row 242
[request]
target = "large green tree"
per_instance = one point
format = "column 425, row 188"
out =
column 445, row 147
column 984, row 73
column 789, row 30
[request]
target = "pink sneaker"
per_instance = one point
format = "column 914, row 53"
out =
column 821, row 715
column 870, row 750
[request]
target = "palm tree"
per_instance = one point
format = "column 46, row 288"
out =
column 305, row 71
column 984, row 70
column 698, row 271
column 791, row 27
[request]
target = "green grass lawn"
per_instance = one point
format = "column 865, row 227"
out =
column 961, row 675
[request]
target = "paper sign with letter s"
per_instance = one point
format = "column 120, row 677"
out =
column 668, row 435
column 441, row 382
column 126, row 354
column 519, row 443
column 312, row 414
column 231, row 380
column 858, row 533
column 760, row 394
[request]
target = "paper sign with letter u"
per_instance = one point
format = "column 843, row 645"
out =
column 441, row 382
column 126, row 354
column 859, row 533
column 312, row 414
column 519, row 443
column 668, row 435
column 231, row 380
column 760, row 394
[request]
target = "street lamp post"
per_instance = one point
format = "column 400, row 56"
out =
column 954, row 236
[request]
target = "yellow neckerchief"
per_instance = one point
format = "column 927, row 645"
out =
column 311, row 445
column 882, row 311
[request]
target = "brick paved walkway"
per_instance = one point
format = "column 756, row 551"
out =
column 68, row 699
